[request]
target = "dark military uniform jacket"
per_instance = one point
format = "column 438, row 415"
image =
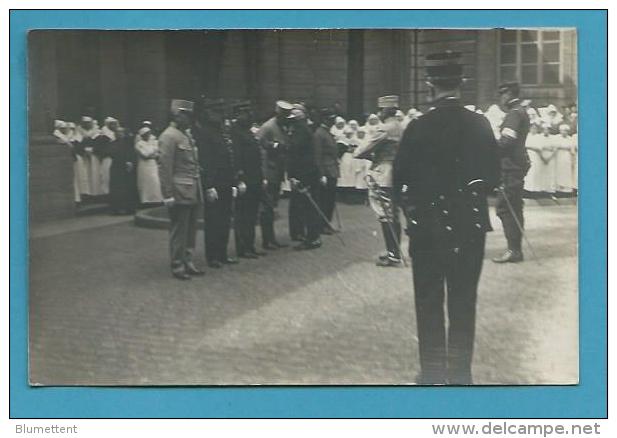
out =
column 326, row 152
column 514, row 130
column 301, row 160
column 216, row 156
column 446, row 166
column 249, row 158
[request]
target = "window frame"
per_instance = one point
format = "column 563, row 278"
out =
column 518, row 61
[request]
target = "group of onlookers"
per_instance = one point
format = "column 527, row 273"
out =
column 552, row 146
column 108, row 160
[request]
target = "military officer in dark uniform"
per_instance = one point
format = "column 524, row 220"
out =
column 514, row 166
column 220, row 181
column 304, row 176
column 181, row 188
column 297, row 222
column 327, row 158
column 446, row 166
column 250, row 166
column 273, row 137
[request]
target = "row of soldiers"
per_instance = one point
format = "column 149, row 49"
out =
column 237, row 174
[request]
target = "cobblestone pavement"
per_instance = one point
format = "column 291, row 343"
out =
column 104, row 310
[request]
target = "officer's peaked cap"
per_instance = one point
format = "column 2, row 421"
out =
column 390, row 101
column 179, row 105
column 283, row 105
column 443, row 66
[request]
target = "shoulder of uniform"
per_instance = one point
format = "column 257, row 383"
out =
column 169, row 132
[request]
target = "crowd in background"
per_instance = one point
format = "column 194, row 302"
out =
column 110, row 161
column 552, row 147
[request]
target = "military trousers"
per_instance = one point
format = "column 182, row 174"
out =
column 449, row 276
column 312, row 222
column 510, row 210
column 270, row 198
column 387, row 213
column 182, row 234
column 247, row 209
column 217, row 224
column 297, row 224
column 327, row 197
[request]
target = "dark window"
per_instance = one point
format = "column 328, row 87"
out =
column 532, row 57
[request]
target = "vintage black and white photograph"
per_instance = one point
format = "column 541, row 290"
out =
column 303, row 207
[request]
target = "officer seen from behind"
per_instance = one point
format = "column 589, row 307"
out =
column 444, row 170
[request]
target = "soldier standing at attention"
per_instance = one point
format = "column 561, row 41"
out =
column 249, row 162
column 327, row 159
column 220, row 180
column 181, row 188
column 514, row 167
column 446, row 165
column 304, row 176
column 274, row 140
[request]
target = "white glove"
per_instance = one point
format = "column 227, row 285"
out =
column 323, row 180
column 242, row 188
column 211, row 195
column 169, row 202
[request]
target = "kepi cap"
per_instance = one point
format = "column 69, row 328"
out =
column 283, row 105
column 179, row 105
column 443, row 66
column 390, row 101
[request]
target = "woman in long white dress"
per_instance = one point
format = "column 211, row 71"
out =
column 575, row 161
column 563, row 160
column 148, row 183
column 361, row 165
column 80, row 167
column 533, row 179
column 347, row 143
column 109, row 129
column 63, row 135
column 86, row 134
column 549, row 149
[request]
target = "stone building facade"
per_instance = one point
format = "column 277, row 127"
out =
column 132, row 75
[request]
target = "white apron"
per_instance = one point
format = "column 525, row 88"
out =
column 148, row 183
